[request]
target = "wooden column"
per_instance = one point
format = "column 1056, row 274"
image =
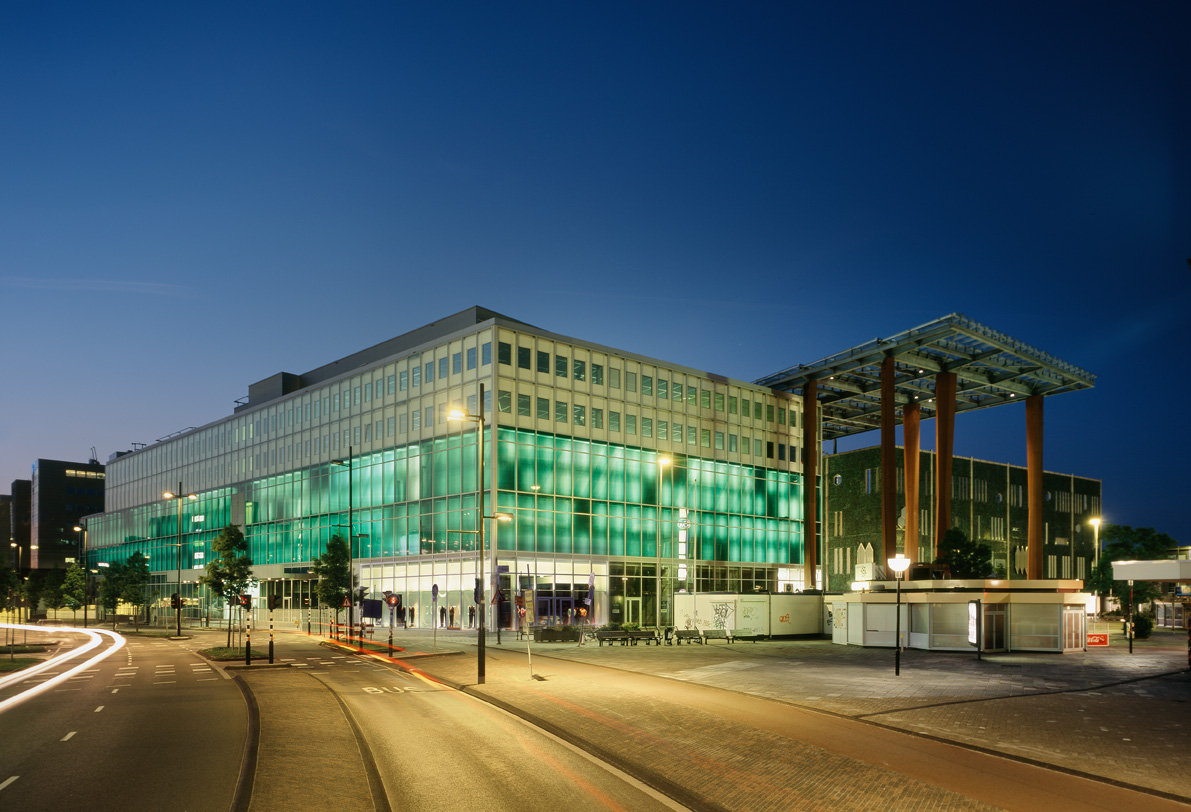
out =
column 1034, row 538
column 888, row 462
column 944, row 448
column 910, row 434
column 810, row 502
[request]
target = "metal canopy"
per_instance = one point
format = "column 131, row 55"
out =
column 990, row 368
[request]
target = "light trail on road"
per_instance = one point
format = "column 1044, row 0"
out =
column 95, row 640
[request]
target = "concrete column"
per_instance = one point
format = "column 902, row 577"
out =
column 944, row 447
column 888, row 462
column 1034, row 487
column 911, row 431
column 810, row 502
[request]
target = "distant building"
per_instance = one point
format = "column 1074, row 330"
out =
column 19, row 523
column 61, row 494
column 987, row 503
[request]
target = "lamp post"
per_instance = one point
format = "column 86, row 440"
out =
column 478, row 419
column 899, row 564
column 657, row 604
column 20, row 599
column 83, row 564
column 178, row 497
column 1096, row 552
column 351, row 580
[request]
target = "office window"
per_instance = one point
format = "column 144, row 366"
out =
column 335, row 402
column 471, row 404
column 524, row 405
column 544, row 362
column 356, row 430
column 719, row 440
column 403, row 380
column 523, row 357
column 428, row 417
column 580, row 415
column 757, row 411
column 781, row 451
column 367, row 393
column 561, row 368
column 647, row 385
column 597, row 418
column 677, row 390
column 676, row 434
column 719, row 401
column 401, row 423
column 704, row 399
column 504, row 353
column 471, row 358
column 390, row 425
column 416, row 374
column 692, row 435
column 355, row 400
column 731, row 404
column 613, row 378
column 415, row 419
column 663, row 390
column 705, row 437
column 443, row 367
column 486, row 353
column 646, row 427
column 781, row 416
column 580, row 370
column 543, row 408
column 630, row 382
column 597, row 374
column 613, row 421
column 756, row 446
column 769, row 449
column 630, row 424
column 429, row 376
column 731, row 442
column 456, row 363
column 663, row 428
column 391, row 387
column 504, row 401
column 560, row 412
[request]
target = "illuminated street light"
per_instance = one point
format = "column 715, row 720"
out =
column 899, row 564
column 178, row 497
column 83, row 563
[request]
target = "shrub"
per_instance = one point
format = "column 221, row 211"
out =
column 1143, row 625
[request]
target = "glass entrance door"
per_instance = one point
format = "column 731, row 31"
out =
column 555, row 611
column 632, row 610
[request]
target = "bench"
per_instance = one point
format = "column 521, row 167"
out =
column 690, row 635
column 744, row 634
column 611, row 636
column 716, row 634
column 648, row 635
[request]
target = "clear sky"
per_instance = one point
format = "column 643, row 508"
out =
column 196, row 196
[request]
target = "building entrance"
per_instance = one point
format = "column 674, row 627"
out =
column 555, row 611
column 632, row 610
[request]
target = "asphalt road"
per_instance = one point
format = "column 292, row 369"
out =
column 153, row 726
column 438, row 748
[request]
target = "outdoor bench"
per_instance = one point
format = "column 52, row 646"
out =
column 744, row 634
column 690, row 635
column 611, row 636
column 648, row 635
column 716, row 634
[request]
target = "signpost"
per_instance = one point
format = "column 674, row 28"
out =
column 434, row 613
column 974, row 627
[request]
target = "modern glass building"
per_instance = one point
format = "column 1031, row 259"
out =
column 625, row 478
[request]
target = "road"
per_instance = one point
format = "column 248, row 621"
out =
column 153, row 726
column 433, row 747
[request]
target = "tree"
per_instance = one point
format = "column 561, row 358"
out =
column 51, row 589
column 136, row 578
column 333, row 570
column 111, row 588
column 74, row 588
column 229, row 572
column 965, row 558
column 9, row 584
column 1124, row 543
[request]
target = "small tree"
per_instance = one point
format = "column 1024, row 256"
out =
column 136, row 578
column 965, row 558
column 74, row 589
column 229, row 572
column 111, row 588
column 51, row 589
column 333, row 570
column 1123, row 543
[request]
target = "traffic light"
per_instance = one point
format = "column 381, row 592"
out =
column 274, row 602
column 175, row 601
column 246, row 601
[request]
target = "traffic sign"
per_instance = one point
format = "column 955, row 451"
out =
column 347, row 601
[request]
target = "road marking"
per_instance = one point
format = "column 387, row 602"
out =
column 167, row 682
column 209, row 679
column 97, row 710
column 114, row 690
column 9, row 781
column 68, row 736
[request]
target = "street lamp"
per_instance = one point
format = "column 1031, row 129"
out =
column 16, row 546
column 657, row 604
column 83, row 563
column 178, row 497
column 351, row 576
column 1096, row 548
column 899, row 564
column 478, row 419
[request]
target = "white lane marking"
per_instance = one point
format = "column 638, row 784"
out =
column 95, row 640
column 209, row 679
column 114, row 690
column 68, row 736
column 166, row 682
column 9, row 781
column 97, row 710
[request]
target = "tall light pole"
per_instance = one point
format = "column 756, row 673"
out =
column 899, row 564
column 178, row 497
column 83, row 564
column 478, row 419
column 1096, row 553
column 20, row 598
column 351, row 579
column 657, row 604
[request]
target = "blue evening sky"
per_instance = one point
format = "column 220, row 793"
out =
column 196, row 196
